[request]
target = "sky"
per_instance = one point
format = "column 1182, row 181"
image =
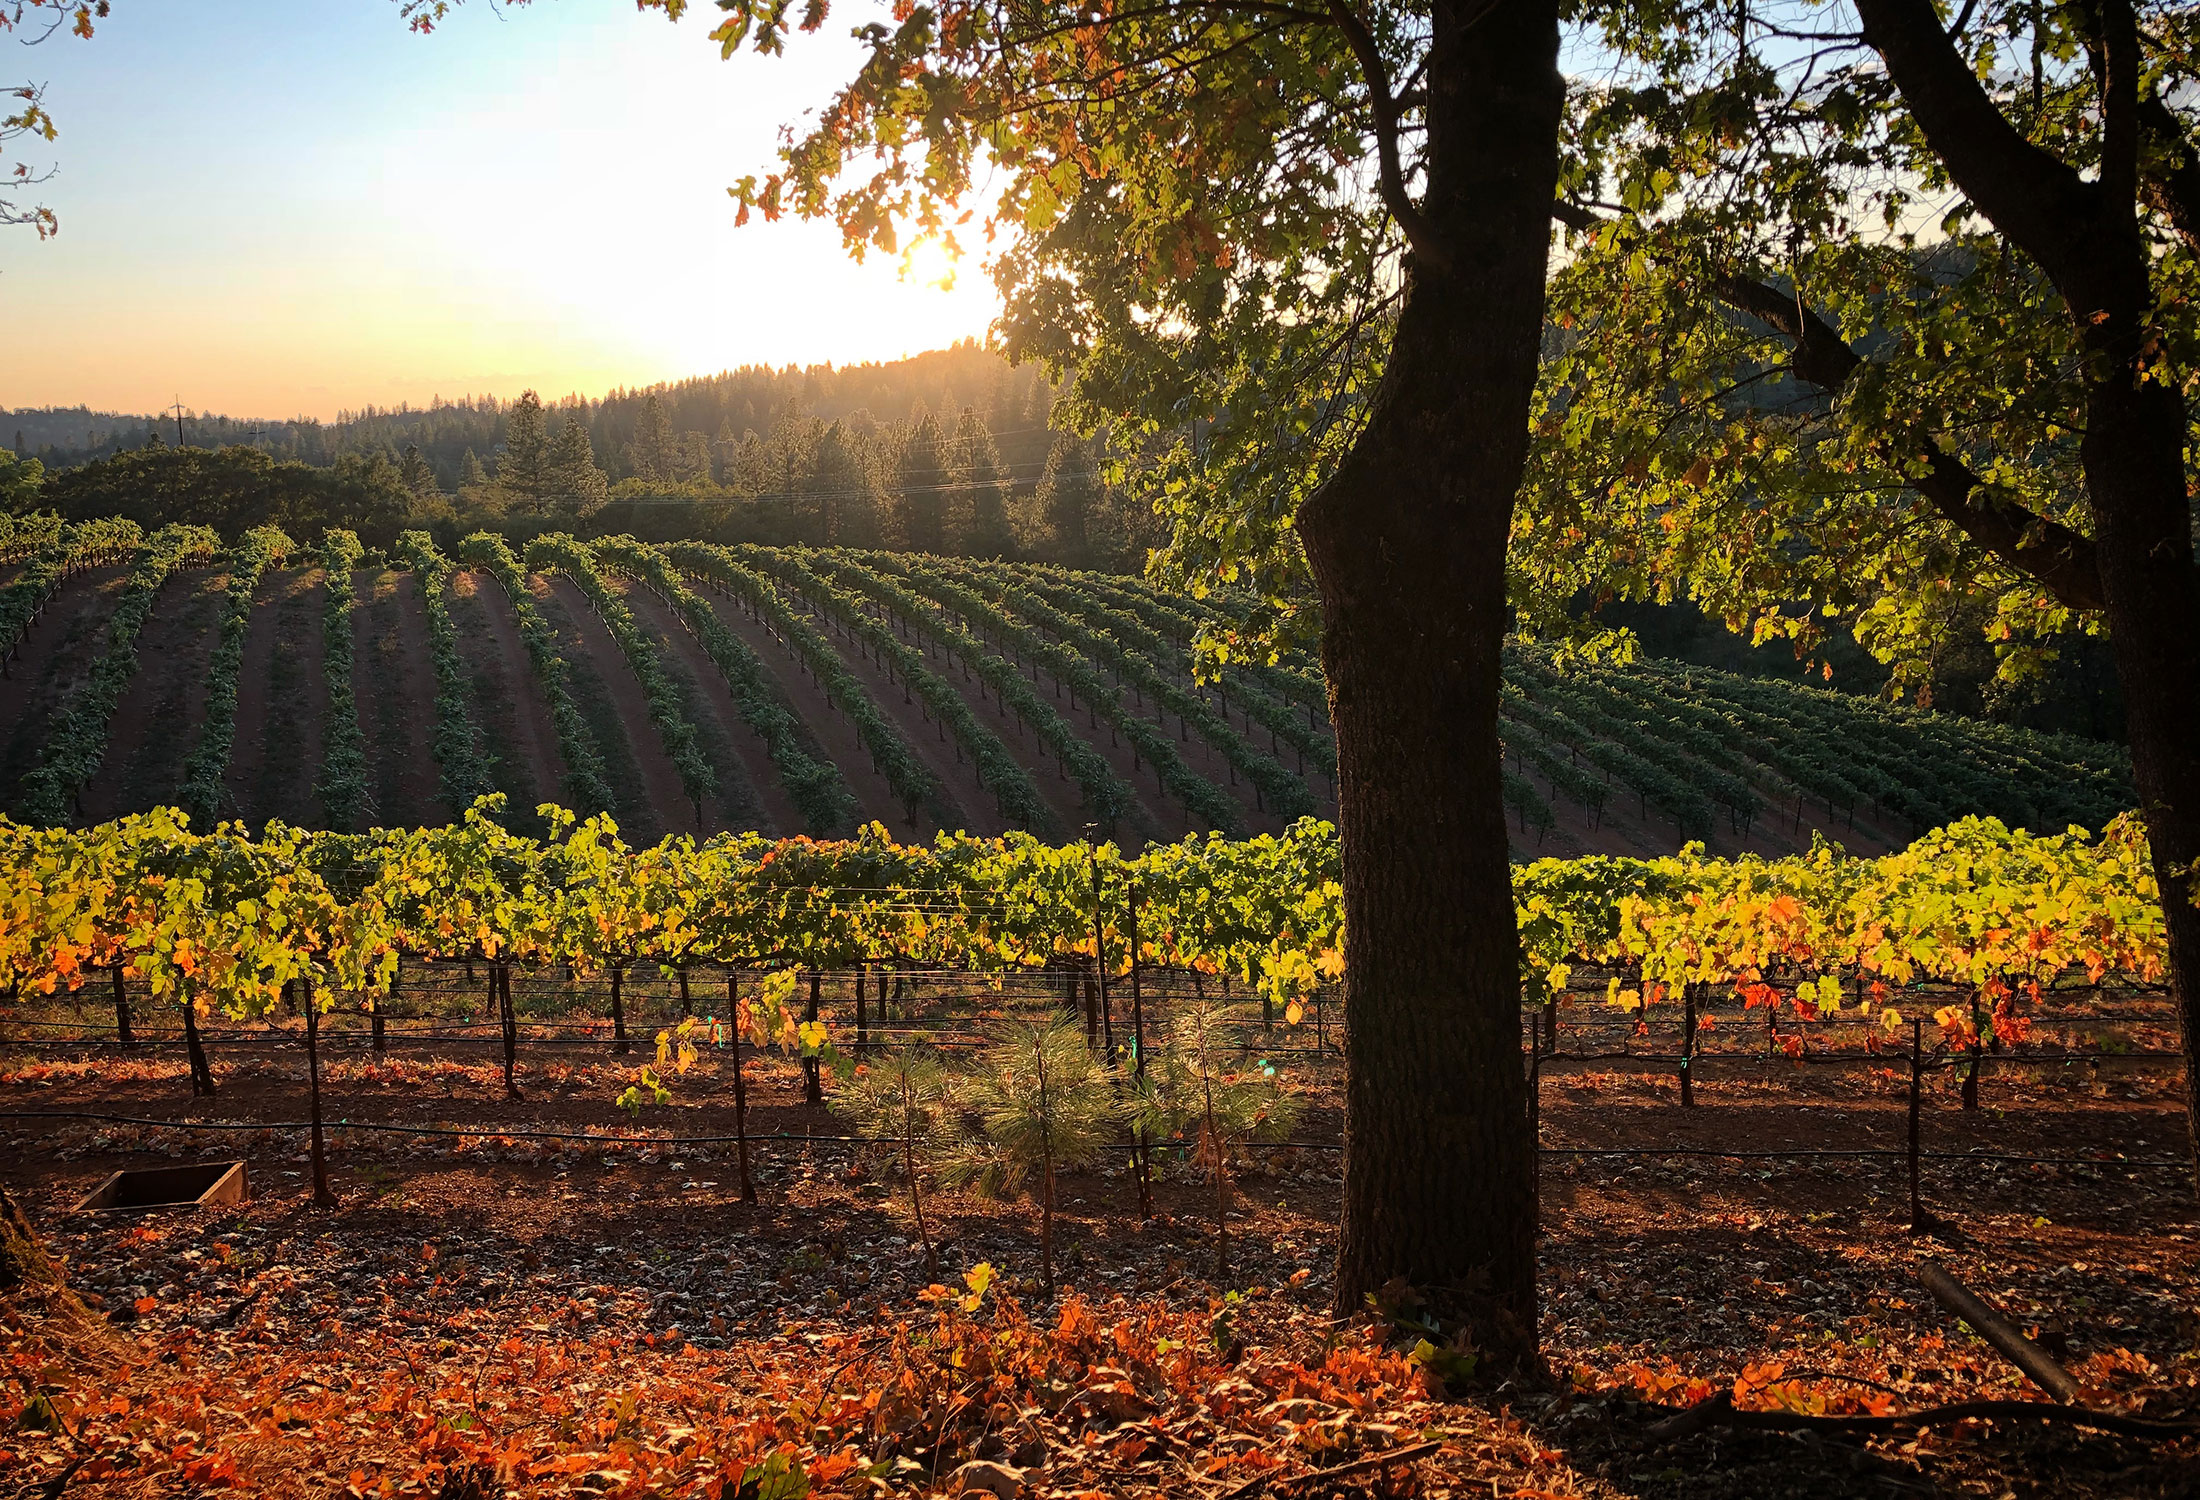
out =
column 290, row 207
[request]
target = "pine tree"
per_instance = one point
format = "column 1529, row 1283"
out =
column 577, row 486
column 652, row 451
column 1043, row 1104
column 471, row 475
column 524, row 470
column 1056, row 522
column 693, row 459
column 979, row 502
column 920, row 480
column 844, row 509
column 414, row 473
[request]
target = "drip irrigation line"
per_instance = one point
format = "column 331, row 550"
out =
column 1957, row 1058
column 1859, row 1153
column 487, row 1132
column 864, row 1140
column 354, row 1039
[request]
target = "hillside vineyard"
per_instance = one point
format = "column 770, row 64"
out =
column 693, row 688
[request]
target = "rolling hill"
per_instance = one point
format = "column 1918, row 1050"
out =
column 697, row 688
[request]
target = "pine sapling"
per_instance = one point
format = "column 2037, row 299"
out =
column 1042, row 1102
column 1203, row 1087
column 908, row 1099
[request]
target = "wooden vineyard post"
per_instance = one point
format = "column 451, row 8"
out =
column 813, row 1086
column 500, row 977
column 1688, row 1046
column 122, row 1010
column 1970, row 1074
column 687, row 1006
column 322, row 1197
column 1100, row 969
column 863, row 1034
column 1998, row 1331
column 1535, row 1082
column 374, row 1013
column 1139, row 1153
column 619, row 1042
column 1917, row 1074
column 740, row 1092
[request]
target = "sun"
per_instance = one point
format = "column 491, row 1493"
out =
column 930, row 262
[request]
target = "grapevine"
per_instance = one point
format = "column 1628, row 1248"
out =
column 813, row 782
column 583, row 763
column 76, row 735
column 202, row 791
column 560, row 553
column 343, row 783
column 458, row 756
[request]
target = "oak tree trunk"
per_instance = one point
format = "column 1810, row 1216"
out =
column 2084, row 233
column 1407, row 545
column 2133, row 451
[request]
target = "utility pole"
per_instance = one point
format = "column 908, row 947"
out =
column 178, row 410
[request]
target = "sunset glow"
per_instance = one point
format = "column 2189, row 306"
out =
column 279, row 210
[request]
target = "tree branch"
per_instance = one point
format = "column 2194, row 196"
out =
column 1420, row 235
column 1720, row 1411
column 1574, row 216
column 2170, row 175
column 2032, row 196
column 2060, row 559
column 2120, row 125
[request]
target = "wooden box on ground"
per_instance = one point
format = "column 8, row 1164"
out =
column 196, row 1186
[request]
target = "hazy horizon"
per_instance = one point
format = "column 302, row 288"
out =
column 550, row 399
column 275, row 213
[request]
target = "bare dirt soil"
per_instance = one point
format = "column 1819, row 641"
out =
column 772, row 810
column 393, row 685
column 507, row 700
column 669, row 809
column 157, row 720
column 57, row 654
column 282, row 702
column 474, row 1306
column 835, row 735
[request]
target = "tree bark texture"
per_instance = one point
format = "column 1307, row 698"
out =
column 1407, row 545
